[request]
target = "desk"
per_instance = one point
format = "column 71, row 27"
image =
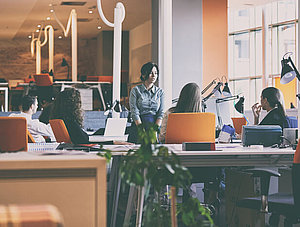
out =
column 91, row 84
column 225, row 155
column 75, row 184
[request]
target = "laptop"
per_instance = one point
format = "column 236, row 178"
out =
column 115, row 127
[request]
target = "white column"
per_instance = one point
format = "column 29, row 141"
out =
column 117, row 54
column 165, row 49
column 74, row 45
column 51, row 48
column 38, row 57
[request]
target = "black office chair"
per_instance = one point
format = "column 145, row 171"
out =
column 284, row 204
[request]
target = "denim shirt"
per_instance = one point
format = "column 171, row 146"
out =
column 142, row 102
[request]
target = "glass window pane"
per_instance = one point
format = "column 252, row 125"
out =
column 241, row 55
column 242, row 89
column 274, row 52
column 258, row 16
column 286, row 10
column 252, row 54
column 230, row 20
column 274, row 12
column 241, row 19
column 286, row 41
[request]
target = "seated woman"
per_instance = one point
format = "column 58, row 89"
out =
column 189, row 101
column 271, row 100
column 67, row 106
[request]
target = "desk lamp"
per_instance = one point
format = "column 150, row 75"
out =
column 289, row 70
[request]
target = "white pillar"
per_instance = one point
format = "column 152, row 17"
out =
column 165, row 49
column 74, row 45
column 51, row 48
column 117, row 53
column 38, row 57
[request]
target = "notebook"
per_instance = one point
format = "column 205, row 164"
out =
column 115, row 127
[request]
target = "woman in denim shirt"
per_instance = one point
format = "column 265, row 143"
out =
column 146, row 100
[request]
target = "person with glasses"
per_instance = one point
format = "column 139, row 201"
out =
column 146, row 101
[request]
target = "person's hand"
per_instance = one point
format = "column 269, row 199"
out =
column 256, row 109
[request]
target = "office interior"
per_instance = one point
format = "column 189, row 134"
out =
column 239, row 42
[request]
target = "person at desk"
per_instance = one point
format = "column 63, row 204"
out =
column 36, row 128
column 189, row 101
column 67, row 106
column 272, row 101
column 146, row 101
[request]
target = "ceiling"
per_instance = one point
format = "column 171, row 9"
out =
column 20, row 18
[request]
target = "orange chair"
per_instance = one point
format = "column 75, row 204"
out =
column 191, row 127
column 43, row 80
column 60, row 131
column 30, row 137
column 238, row 123
column 13, row 134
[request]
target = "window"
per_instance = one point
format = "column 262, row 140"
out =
column 245, row 49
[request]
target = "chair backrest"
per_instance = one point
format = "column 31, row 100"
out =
column 190, row 127
column 238, row 123
column 60, row 131
column 13, row 134
column 43, row 79
column 30, row 137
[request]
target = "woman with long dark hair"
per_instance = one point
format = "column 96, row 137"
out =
column 189, row 101
column 271, row 100
column 146, row 100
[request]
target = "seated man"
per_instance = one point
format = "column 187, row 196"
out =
column 35, row 127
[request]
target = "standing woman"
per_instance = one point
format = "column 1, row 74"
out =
column 189, row 101
column 271, row 100
column 146, row 101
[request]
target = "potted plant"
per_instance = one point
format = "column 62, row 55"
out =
column 152, row 167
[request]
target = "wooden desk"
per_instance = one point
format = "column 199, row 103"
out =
column 75, row 184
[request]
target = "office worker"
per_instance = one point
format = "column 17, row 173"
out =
column 146, row 101
column 271, row 100
column 67, row 106
column 189, row 101
column 37, row 129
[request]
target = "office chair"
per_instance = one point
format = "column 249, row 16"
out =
column 285, row 204
column 13, row 136
column 238, row 123
column 60, row 131
column 191, row 127
column 197, row 127
column 30, row 137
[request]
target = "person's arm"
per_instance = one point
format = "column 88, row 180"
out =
column 135, row 112
column 256, row 109
column 160, row 112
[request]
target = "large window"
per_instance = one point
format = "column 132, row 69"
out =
column 245, row 45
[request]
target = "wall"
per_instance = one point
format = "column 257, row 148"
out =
column 17, row 63
column 140, row 42
column 187, row 44
column 215, row 44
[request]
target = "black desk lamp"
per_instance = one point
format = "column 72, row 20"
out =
column 239, row 106
column 65, row 63
column 289, row 70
